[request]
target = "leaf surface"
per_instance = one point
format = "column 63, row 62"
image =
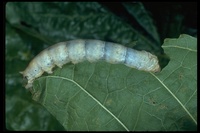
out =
column 103, row 96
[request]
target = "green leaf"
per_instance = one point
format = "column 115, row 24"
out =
column 102, row 96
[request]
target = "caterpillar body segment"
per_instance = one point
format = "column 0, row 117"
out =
column 115, row 53
column 95, row 50
column 76, row 51
column 58, row 54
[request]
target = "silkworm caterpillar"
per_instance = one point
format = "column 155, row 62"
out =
column 92, row 50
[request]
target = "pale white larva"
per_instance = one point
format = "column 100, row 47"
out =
column 92, row 50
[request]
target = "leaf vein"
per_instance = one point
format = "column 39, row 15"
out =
column 171, row 46
column 175, row 98
column 92, row 98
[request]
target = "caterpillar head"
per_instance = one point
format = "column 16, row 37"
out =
column 32, row 72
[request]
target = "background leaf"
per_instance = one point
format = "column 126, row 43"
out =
column 33, row 26
column 143, row 18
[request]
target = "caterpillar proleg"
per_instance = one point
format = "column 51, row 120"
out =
column 76, row 51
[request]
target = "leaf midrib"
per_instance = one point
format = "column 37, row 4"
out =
column 98, row 102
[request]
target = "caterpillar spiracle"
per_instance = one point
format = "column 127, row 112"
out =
column 76, row 51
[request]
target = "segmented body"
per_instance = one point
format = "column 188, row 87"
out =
column 76, row 51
